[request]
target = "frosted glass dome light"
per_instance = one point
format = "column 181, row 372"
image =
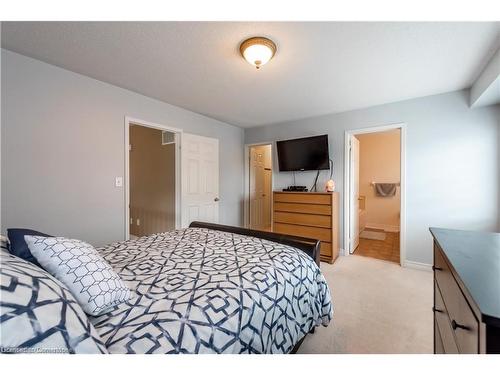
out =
column 258, row 51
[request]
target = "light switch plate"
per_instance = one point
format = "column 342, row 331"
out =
column 119, row 181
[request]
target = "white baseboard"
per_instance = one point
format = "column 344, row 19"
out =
column 417, row 265
column 384, row 227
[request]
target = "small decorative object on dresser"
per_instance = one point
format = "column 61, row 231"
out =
column 466, row 292
column 330, row 186
column 309, row 214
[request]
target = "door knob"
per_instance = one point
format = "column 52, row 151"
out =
column 216, row 199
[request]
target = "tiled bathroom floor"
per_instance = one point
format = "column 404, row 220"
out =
column 384, row 250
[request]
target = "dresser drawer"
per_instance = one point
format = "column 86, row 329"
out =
column 312, row 215
column 328, row 252
column 309, row 198
column 438, row 342
column 443, row 324
column 463, row 321
column 318, row 209
column 303, row 219
column 326, row 249
column 322, row 234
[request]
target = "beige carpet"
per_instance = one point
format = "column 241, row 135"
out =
column 379, row 307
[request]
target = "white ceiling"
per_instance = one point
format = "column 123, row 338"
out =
column 320, row 67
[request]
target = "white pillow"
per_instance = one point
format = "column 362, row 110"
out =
column 38, row 314
column 91, row 280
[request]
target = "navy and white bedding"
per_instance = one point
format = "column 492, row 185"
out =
column 193, row 291
column 204, row 291
column 38, row 314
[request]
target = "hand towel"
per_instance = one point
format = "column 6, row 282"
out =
column 385, row 189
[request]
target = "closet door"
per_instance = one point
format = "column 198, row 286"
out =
column 257, row 188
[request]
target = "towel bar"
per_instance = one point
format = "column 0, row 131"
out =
column 373, row 183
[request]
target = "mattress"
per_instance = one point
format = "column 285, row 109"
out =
column 204, row 291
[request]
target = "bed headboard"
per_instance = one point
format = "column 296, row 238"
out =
column 307, row 245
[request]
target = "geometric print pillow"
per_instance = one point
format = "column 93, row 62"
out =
column 39, row 315
column 78, row 265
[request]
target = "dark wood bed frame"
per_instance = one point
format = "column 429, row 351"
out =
column 307, row 245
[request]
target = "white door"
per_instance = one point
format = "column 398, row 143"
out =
column 257, row 188
column 354, row 195
column 200, row 179
column 268, row 188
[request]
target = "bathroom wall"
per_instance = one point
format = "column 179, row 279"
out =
column 379, row 155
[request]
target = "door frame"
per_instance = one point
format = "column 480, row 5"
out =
column 348, row 249
column 402, row 230
column 178, row 196
column 246, row 199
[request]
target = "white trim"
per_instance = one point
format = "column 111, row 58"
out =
column 384, row 227
column 417, row 265
column 377, row 129
column 178, row 197
column 246, row 187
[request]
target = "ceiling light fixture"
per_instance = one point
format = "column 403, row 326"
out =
column 258, row 50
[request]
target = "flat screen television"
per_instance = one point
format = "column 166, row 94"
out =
column 303, row 154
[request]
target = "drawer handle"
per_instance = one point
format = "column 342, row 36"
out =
column 455, row 325
column 434, row 268
column 436, row 310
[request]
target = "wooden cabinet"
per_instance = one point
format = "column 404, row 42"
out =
column 312, row 215
column 466, row 292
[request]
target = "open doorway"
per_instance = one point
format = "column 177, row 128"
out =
column 374, row 207
column 152, row 178
column 260, row 187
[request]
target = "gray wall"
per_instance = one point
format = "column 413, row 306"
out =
column 452, row 161
column 63, row 146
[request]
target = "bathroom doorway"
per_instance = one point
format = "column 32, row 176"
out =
column 374, row 205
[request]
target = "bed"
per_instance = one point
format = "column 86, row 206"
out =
column 214, row 289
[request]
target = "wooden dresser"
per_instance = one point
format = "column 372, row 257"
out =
column 306, row 214
column 466, row 292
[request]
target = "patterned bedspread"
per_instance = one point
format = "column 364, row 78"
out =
column 205, row 291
